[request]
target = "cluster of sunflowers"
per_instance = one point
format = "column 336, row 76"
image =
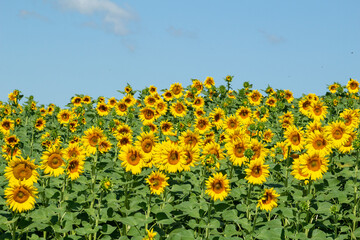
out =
column 215, row 132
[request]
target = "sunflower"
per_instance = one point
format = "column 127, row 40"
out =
column 50, row 109
column 12, row 140
column 197, row 84
column 129, row 100
column 202, row 124
column 10, row 152
column 86, row 99
column 218, row 186
column 351, row 117
column 20, row 197
column 146, row 142
column 166, row 127
column 91, row 139
column 157, row 182
column 150, row 235
column 152, row 90
column 147, row 115
column 170, row 156
column 271, row 102
column 198, row 102
column 255, row 98
column 76, row 101
column 281, row 148
column 257, row 172
column 338, row 132
column 231, row 123
column 352, row 86
column 297, row 171
column 74, row 168
column 317, row 111
column 314, row 126
column 168, row 95
column 333, row 87
column 261, row 114
column 268, row 135
column 43, row 112
column 178, row 109
column 102, row 109
column 304, row 106
column 20, row 169
column 74, row 151
column 176, row 89
column 6, row 125
column 124, row 140
column 161, row 107
column 348, row 146
column 150, row 101
column 53, row 162
column 131, row 158
column 40, row 124
column 122, row 129
column 191, row 156
column 217, row 116
column 235, row 150
column 269, row 200
column 190, row 138
column 244, row 114
column 112, row 102
column 104, row 145
column 64, row 116
column 288, row 96
column 318, row 142
column 294, row 138
column 259, row 149
column 314, row 164
column 73, row 125
column 212, row 153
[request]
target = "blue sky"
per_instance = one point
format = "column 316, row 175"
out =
column 54, row 49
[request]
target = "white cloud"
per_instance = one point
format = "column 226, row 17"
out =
column 113, row 16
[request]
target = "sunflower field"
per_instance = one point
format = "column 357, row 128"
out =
column 188, row 162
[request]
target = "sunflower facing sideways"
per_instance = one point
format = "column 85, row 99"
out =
column 269, row 200
column 157, row 182
column 131, row 158
column 20, row 169
column 20, row 197
column 53, row 163
column 218, row 186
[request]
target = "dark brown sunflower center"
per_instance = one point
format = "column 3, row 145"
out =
column 73, row 166
column 65, row 116
column 179, row 108
column 295, row 138
column 239, row 150
column 256, row 171
column 173, row 157
column 232, row 124
column 93, row 140
column 338, row 133
column 148, row 114
column 176, row 90
column 22, row 171
column 218, row 186
column 122, row 107
column 55, row 161
column 21, row 194
column 133, row 157
column 188, row 157
column 202, row 124
column 165, row 127
column 268, row 198
column 314, row 164
column 190, row 140
column 319, row 143
column 147, row 145
column 317, row 110
column 6, row 125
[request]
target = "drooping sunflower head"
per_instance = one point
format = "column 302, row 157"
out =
column 218, row 186
column 157, row 182
column 20, row 197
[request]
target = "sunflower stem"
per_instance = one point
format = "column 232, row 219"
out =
column 355, row 192
column 248, row 201
column 148, row 212
column 210, row 206
column 97, row 217
column 254, row 223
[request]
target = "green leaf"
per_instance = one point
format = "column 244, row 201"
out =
column 107, row 229
column 230, row 230
column 230, row 215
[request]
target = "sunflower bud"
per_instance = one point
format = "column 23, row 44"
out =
column 106, row 185
column 228, row 78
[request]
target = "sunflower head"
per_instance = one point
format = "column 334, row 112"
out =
column 218, row 186
column 20, row 197
column 269, row 200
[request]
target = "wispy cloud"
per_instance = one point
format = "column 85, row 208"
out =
column 112, row 15
column 272, row 38
column 178, row 32
column 32, row 14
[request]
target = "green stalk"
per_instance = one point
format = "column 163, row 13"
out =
column 248, row 201
column 148, row 212
column 207, row 232
column 98, row 214
column 254, row 224
column 355, row 192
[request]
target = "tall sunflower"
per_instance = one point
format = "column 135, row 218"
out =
column 314, row 164
column 257, row 172
column 74, row 151
column 269, row 200
column 352, row 86
column 147, row 115
column 157, row 182
column 40, row 123
column 218, row 186
column 53, row 163
column 190, row 138
column 102, row 109
column 209, row 82
column 255, row 98
column 146, row 142
column 20, row 197
column 121, row 108
column 131, row 158
column 20, row 169
column 297, row 170
column 166, row 127
column 231, row 122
